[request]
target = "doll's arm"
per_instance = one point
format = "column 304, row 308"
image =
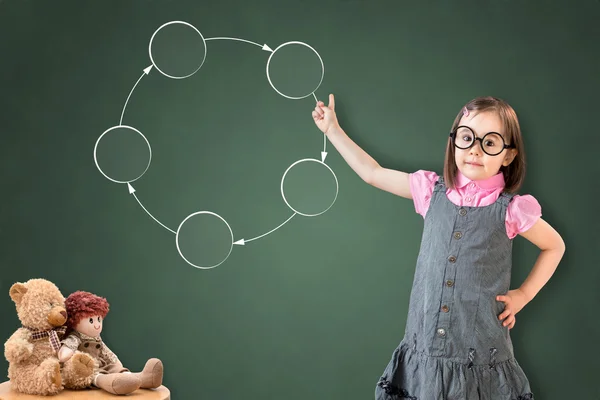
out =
column 65, row 353
column 69, row 345
column 18, row 348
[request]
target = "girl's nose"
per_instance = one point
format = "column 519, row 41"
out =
column 476, row 148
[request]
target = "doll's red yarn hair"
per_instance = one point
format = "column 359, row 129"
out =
column 81, row 305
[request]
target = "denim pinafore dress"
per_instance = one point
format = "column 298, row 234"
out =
column 454, row 346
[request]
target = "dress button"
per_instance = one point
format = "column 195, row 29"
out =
column 472, row 185
column 457, row 235
column 452, row 259
column 445, row 308
column 462, row 212
column 441, row 332
column 449, row 283
column 468, row 199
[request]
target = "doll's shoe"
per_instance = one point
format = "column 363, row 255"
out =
column 152, row 374
column 118, row 383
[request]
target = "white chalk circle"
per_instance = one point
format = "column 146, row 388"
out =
column 269, row 75
column 186, row 25
column 320, row 163
column 220, row 257
column 114, row 131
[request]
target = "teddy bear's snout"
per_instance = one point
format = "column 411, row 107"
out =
column 57, row 316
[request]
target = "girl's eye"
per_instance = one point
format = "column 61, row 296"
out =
column 98, row 319
column 91, row 320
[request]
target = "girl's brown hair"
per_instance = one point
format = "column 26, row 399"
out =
column 81, row 305
column 514, row 173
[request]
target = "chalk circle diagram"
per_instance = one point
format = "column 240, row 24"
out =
column 122, row 139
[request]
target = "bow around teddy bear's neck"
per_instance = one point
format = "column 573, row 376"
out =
column 54, row 335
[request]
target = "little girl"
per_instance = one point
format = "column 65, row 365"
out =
column 456, row 343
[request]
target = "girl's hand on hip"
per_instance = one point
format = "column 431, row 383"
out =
column 324, row 116
column 514, row 301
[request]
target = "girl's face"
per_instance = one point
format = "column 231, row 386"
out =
column 91, row 326
column 474, row 163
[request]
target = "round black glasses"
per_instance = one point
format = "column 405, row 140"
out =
column 492, row 143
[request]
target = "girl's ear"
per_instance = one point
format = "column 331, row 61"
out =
column 509, row 157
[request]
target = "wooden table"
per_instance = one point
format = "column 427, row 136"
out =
column 160, row 393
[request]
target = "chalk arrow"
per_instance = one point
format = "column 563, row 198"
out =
column 263, row 46
column 242, row 242
column 146, row 72
column 132, row 192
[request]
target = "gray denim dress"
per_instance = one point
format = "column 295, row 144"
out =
column 454, row 346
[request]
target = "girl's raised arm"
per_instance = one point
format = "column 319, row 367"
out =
column 363, row 164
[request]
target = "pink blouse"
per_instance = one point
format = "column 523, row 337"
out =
column 521, row 214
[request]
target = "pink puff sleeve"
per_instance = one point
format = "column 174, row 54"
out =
column 421, row 187
column 521, row 214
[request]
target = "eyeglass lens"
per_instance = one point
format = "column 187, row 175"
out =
column 492, row 143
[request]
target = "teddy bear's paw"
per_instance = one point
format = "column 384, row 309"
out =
column 53, row 377
column 21, row 350
column 83, row 364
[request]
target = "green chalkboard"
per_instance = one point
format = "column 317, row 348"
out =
column 162, row 154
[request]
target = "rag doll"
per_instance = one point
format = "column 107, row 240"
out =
column 86, row 313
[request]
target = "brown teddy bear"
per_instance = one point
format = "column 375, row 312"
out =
column 86, row 316
column 32, row 351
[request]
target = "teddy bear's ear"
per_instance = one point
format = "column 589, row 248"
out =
column 17, row 291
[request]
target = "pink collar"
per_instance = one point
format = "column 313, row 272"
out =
column 493, row 182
